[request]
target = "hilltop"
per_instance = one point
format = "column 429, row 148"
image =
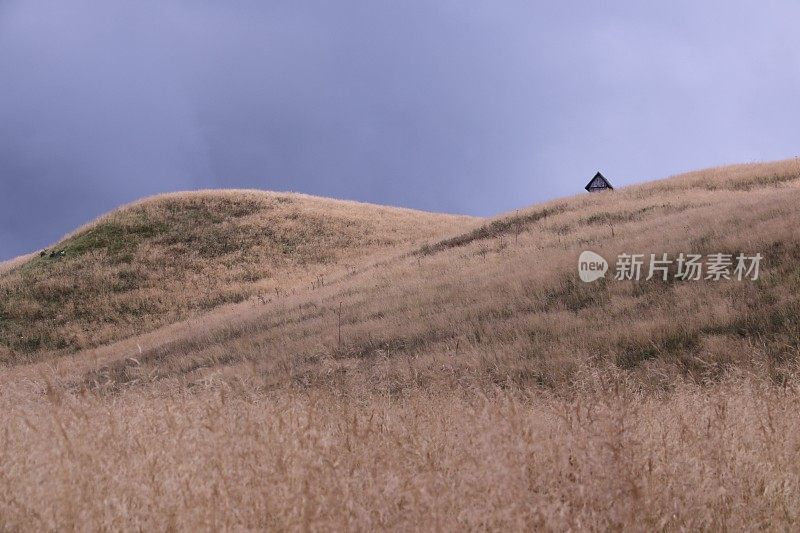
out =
column 450, row 373
column 166, row 258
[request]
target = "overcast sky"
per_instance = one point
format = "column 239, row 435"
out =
column 455, row 105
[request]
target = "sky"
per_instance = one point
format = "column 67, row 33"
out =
column 461, row 106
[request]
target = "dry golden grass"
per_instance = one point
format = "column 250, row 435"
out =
column 229, row 457
column 475, row 384
column 172, row 256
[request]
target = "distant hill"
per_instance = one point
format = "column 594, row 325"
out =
column 167, row 258
column 177, row 255
column 509, row 287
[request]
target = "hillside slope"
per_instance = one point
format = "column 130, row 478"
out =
column 504, row 300
column 172, row 256
column 465, row 381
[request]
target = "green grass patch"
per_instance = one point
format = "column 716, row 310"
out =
column 112, row 237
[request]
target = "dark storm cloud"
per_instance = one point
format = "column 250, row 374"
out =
column 462, row 106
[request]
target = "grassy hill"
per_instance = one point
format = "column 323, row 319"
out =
column 503, row 295
column 165, row 258
column 459, row 376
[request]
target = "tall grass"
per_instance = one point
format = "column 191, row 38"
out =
column 224, row 455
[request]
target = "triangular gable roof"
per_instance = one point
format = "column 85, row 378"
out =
column 598, row 182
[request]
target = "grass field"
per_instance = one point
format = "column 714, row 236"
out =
column 402, row 370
